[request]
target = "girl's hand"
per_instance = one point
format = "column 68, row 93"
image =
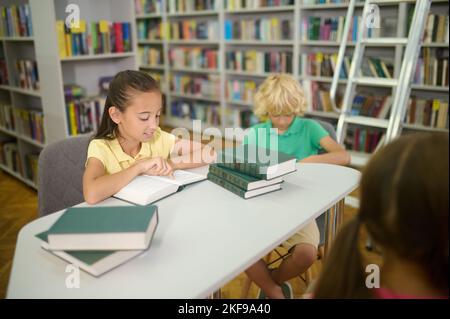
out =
column 159, row 167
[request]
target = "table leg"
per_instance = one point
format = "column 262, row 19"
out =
column 333, row 221
column 328, row 230
column 216, row 295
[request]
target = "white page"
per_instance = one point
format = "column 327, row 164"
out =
column 142, row 190
column 180, row 178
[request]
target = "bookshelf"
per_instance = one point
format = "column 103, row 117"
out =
column 57, row 70
column 21, row 107
column 395, row 24
column 235, row 44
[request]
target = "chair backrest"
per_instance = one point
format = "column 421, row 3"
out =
column 61, row 167
column 321, row 219
column 328, row 127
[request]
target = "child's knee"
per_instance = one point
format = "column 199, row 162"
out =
column 304, row 254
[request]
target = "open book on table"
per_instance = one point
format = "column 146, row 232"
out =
column 145, row 189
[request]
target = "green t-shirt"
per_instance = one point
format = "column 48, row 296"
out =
column 301, row 139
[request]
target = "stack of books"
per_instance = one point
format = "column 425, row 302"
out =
column 250, row 171
column 98, row 239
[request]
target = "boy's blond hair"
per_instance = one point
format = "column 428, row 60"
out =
column 280, row 94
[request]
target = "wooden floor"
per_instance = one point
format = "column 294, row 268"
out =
column 18, row 206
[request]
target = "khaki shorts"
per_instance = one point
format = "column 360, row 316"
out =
column 306, row 235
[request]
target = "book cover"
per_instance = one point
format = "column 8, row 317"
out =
column 241, row 192
column 243, row 181
column 256, row 161
column 95, row 263
column 104, row 228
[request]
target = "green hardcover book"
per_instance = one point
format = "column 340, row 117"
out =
column 104, row 228
column 243, row 181
column 239, row 191
column 257, row 162
column 95, row 263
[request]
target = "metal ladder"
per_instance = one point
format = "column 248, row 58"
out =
column 401, row 86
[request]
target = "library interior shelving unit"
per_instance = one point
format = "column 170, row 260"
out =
column 20, row 96
column 300, row 37
column 211, row 58
column 56, row 70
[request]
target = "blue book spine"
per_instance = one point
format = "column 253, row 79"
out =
column 228, row 30
column 28, row 19
column 126, row 32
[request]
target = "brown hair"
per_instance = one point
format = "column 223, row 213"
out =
column 121, row 90
column 404, row 207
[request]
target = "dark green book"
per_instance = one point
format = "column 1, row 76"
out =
column 243, row 181
column 95, row 263
column 258, row 162
column 104, row 228
column 239, row 191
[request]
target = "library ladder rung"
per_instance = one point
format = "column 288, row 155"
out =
column 368, row 121
column 384, row 41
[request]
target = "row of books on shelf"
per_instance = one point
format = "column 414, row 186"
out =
column 102, row 37
column 265, row 29
column 363, row 139
column 328, row 29
column 211, row 114
column 192, row 110
column 202, row 86
column 259, row 62
column 84, row 115
column 323, row 64
column 255, row 4
column 195, row 58
column 179, row 6
column 194, row 29
column 436, row 29
column 148, row 6
column 151, row 30
column 29, row 123
column 10, row 156
column 150, row 56
column 240, row 90
column 377, row 68
column 188, row 29
column 371, row 106
column 427, row 112
column 3, row 72
column 432, row 67
column 26, row 74
column 15, row 21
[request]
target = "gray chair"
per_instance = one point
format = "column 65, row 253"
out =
column 61, row 167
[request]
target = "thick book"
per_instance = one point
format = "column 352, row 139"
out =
column 243, row 181
column 95, row 262
column 104, row 228
column 257, row 162
column 144, row 189
column 239, row 191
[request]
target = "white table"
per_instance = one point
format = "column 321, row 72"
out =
column 205, row 238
